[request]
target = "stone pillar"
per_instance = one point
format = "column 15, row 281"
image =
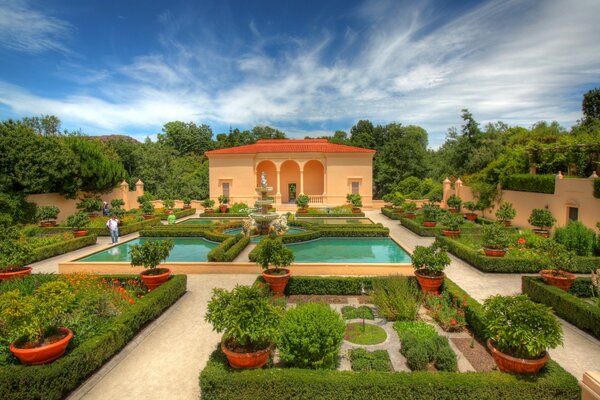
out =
column 559, row 175
column 458, row 187
column 139, row 188
column 124, row 190
column 301, row 182
column 278, row 193
column 446, row 191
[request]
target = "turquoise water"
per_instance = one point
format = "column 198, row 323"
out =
column 350, row 250
column 256, row 239
column 185, row 250
column 337, row 221
column 206, row 221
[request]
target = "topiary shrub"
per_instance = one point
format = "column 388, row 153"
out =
column 577, row 237
column 311, row 336
column 541, row 218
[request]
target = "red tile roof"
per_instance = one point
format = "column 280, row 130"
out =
column 291, row 146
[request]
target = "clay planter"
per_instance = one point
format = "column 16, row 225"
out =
column 508, row 363
column 561, row 279
column 542, row 232
column 246, row 360
column 429, row 284
column 508, row 223
column 148, row 216
column 154, row 281
column 429, row 224
column 44, row 354
column 277, row 282
column 186, row 206
column 471, row 216
column 208, row 211
column 355, row 210
column 168, row 212
column 80, row 233
column 301, row 211
column 223, row 209
column 10, row 275
column 410, row 215
column 451, row 234
column 494, row 252
column 48, row 224
column 453, row 210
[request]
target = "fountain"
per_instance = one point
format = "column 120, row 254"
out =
column 262, row 222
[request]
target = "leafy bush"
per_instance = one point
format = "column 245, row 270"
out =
column 506, row 212
column 89, row 204
column 78, row 221
column 421, row 345
column 168, row 203
column 396, row 297
column 208, row 203
column 446, row 310
column 350, row 312
column 431, row 260
column 577, row 237
column 237, row 208
column 363, row 360
column 223, row 199
column 147, row 208
column 410, row 207
column 311, row 336
column 431, row 212
column 471, row 206
column 452, row 221
column 554, row 255
column 117, row 203
column 541, row 218
column 150, row 253
column 355, row 199
column 273, row 252
column 302, row 201
column 529, row 183
column 145, row 198
column 46, row 213
column 454, row 202
column 495, row 236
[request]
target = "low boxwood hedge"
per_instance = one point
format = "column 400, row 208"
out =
column 180, row 214
column 41, row 253
column 103, row 231
column 330, row 285
column 56, row 380
column 223, row 215
column 185, row 231
column 332, row 215
column 390, row 213
column 577, row 311
column 529, row 183
column 229, row 249
column 416, row 227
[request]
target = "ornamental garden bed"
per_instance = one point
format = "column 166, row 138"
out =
column 344, row 211
column 178, row 212
column 131, row 222
column 107, row 312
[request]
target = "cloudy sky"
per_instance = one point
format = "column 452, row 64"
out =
column 306, row 67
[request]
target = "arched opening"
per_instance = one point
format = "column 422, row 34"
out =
column 314, row 178
column 290, row 181
column 269, row 168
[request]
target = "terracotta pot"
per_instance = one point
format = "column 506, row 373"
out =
column 508, row 363
column 10, row 275
column 246, row 360
column 494, row 252
column 471, row 216
column 154, row 281
column 429, row 224
column 542, row 232
column 168, row 212
column 453, row 210
column 429, row 284
column 186, row 206
column 508, row 223
column 43, row 354
column 277, row 282
column 410, row 215
column 148, row 216
column 223, row 209
column 451, row 234
column 208, row 211
column 48, row 224
column 80, row 233
column 355, row 210
column 563, row 280
column 302, row 211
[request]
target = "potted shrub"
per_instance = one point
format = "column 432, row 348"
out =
column 145, row 198
column 223, row 200
column 356, row 201
column 454, row 202
column 387, row 198
column 187, row 203
column 117, row 203
column 452, row 223
column 272, row 255
column 397, row 201
column 429, row 264
column 149, row 254
column 14, row 254
column 520, row 332
column 409, row 209
column 302, row 203
column 506, row 213
column 90, row 205
column 47, row 215
column 78, row 222
column 208, row 206
column 33, row 322
column 147, row 210
column 168, row 204
column 556, row 258
column 117, row 209
column 431, row 213
column 472, row 207
column 543, row 220
column 249, row 323
column 495, row 240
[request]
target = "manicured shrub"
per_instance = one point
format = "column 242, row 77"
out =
column 46, row 213
column 311, row 336
column 396, row 297
column 238, row 208
column 41, row 253
column 421, row 345
column 506, row 212
column 364, row 360
column 417, row 356
column 495, row 236
column 180, row 213
column 334, row 285
column 390, row 213
column 454, row 202
column 541, row 218
column 229, row 249
column 529, row 183
column 445, row 358
column 577, row 237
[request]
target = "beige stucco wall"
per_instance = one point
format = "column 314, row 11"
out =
column 331, row 179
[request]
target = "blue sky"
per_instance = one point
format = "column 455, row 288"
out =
column 306, row 67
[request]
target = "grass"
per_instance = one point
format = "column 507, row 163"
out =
column 371, row 335
column 364, row 360
column 350, row 312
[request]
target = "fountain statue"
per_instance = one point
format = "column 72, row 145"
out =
column 262, row 221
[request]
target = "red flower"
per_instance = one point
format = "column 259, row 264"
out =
column 521, row 241
column 453, row 322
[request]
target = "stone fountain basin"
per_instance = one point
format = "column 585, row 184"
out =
column 264, row 217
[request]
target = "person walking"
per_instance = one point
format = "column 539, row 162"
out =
column 105, row 209
column 113, row 227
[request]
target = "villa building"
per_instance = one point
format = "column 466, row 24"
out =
column 324, row 171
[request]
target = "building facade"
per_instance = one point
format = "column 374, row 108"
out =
column 324, row 171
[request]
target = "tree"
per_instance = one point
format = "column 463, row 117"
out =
column 186, row 138
column 361, row 134
column 591, row 106
column 46, row 125
column 266, row 132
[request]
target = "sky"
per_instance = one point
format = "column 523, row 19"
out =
column 305, row 67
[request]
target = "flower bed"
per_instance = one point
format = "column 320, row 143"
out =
column 416, row 226
column 88, row 351
column 566, row 305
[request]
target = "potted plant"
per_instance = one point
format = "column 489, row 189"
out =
column 520, row 332
column 302, row 203
column 506, row 213
column 431, row 213
column 387, row 198
column 452, row 223
column 168, row 204
column 47, row 215
column 429, row 264
column 543, row 220
column 90, row 205
column 33, row 322
column 117, row 203
column 145, row 198
column 147, row 210
column 556, row 258
column 78, row 222
column 472, row 207
column 208, row 206
column 272, row 255
column 398, row 201
column 495, row 240
column 14, row 254
column 356, row 201
column 187, row 203
column 149, row 254
column 223, row 200
column 117, row 209
column 409, row 209
column 249, row 323
column 454, row 202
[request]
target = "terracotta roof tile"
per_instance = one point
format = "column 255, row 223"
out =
column 291, row 146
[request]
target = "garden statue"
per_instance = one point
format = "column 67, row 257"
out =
column 279, row 226
column 263, row 179
column 250, row 227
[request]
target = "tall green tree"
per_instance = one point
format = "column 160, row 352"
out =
column 267, row 132
column 591, row 106
column 186, row 138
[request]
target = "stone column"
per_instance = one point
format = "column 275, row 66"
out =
column 124, row 189
column 139, row 188
column 458, row 187
column 446, row 191
column 301, row 182
column 278, row 193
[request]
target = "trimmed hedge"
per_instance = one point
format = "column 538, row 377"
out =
column 332, row 215
column 180, row 214
column 41, row 253
column 222, row 215
column 390, row 213
column 319, row 285
column 56, row 380
column 123, row 230
column 416, row 227
column 597, row 188
column 577, row 311
column 529, row 183
column 187, row 231
column 508, row 264
column 229, row 249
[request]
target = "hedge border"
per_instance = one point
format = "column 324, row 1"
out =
column 529, row 183
column 229, row 249
column 336, row 215
column 56, row 380
column 222, row 215
column 44, row 252
column 168, row 231
column 179, row 214
column 123, row 230
column 390, row 213
column 416, row 227
column 577, row 311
